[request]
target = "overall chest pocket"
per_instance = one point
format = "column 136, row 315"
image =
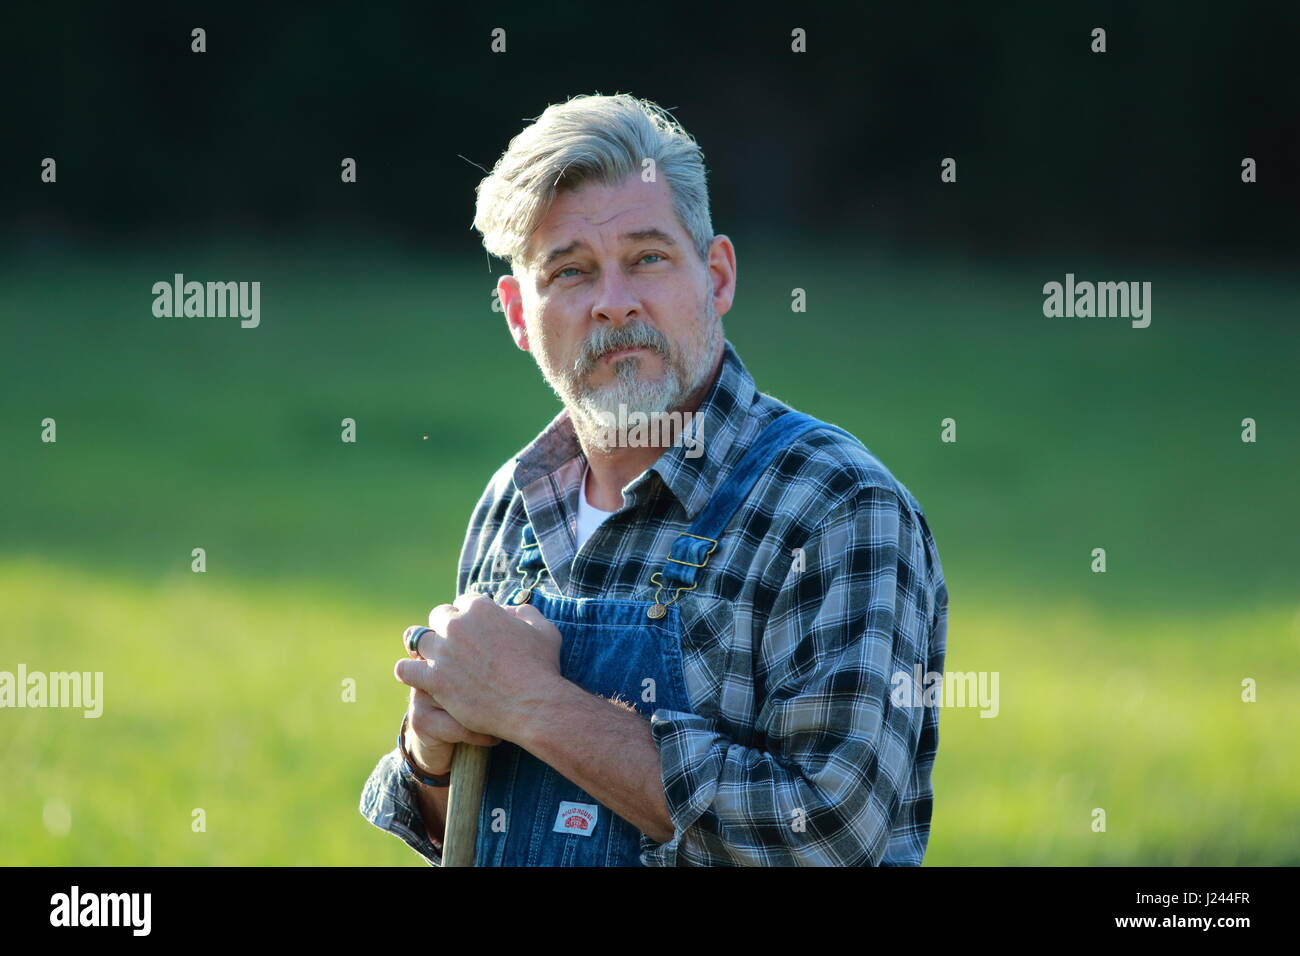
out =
column 638, row 665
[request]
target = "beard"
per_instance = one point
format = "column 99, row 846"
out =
column 595, row 409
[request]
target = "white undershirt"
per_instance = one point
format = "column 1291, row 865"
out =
column 589, row 518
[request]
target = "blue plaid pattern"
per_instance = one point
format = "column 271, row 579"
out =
column 792, row 752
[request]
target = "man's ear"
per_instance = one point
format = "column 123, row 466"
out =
column 722, row 273
column 512, row 304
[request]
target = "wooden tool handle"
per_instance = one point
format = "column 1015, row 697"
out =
column 464, row 801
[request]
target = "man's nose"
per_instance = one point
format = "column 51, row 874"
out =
column 616, row 299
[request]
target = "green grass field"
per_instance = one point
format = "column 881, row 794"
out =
column 223, row 690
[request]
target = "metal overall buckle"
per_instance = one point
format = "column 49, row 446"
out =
column 658, row 609
column 524, row 596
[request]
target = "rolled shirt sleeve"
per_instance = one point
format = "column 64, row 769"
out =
column 837, row 755
column 389, row 801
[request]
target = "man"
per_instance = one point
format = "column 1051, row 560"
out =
column 680, row 651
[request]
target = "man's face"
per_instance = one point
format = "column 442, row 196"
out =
column 617, row 307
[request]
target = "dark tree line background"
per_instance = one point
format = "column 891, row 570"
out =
column 1134, row 151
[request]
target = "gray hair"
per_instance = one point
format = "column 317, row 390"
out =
column 591, row 138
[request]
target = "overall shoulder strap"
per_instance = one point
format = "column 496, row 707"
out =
column 692, row 548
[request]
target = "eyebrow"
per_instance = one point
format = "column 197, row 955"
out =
column 639, row 235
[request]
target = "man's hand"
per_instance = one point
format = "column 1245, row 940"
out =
column 432, row 735
column 486, row 666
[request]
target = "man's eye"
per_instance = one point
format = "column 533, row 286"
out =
column 561, row 273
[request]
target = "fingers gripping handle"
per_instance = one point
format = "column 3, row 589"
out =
column 464, row 801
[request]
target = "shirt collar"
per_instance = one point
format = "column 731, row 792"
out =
column 719, row 420
column 691, row 479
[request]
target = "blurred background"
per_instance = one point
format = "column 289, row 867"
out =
column 223, row 690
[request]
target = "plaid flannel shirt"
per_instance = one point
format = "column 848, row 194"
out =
column 825, row 587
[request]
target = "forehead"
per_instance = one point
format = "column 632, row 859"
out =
column 595, row 211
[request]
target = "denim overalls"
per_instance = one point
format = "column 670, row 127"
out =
column 533, row 816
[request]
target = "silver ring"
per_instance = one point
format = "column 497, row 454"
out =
column 413, row 635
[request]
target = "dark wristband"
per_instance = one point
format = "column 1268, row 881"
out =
column 443, row 781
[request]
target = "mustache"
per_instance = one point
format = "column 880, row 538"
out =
column 611, row 339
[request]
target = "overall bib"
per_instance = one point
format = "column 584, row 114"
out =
column 632, row 650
